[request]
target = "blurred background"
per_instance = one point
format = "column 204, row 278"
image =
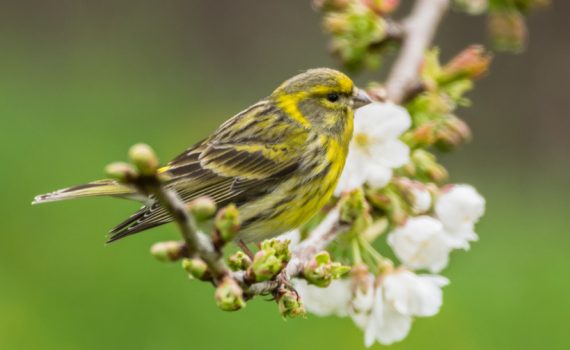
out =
column 81, row 81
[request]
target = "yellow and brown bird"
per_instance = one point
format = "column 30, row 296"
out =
column 279, row 160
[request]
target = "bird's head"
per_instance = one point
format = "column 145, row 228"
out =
column 323, row 99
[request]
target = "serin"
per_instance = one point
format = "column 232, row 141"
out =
column 279, row 160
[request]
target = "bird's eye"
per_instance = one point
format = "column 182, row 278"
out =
column 332, row 97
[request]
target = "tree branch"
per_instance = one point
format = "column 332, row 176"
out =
column 197, row 242
column 320, row 237
column 419, row 30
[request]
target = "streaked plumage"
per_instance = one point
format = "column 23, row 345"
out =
column 278, row 161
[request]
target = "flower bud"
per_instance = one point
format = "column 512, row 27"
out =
column 280, row 247
column 320, row 270
column 290, row 304
column 227, row 222
column 415, row 193
column 270, row 260
column 229, row 295
column 452, row 132
column 121, row 172
column 353, row 205
column 472, row 7
column 331, row 5
column 203, row 208
column 391, row 202
column 197, row 268
column 471, row 63
column 169, row 250
column 423, row 135
column 335, row 23
column 426, row 165
column 508, row 30
column 239, row 261
column 144, row 159
column 381, row 7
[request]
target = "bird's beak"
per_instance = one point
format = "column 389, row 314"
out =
column 360, row 98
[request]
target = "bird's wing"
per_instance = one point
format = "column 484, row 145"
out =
column 245, row 158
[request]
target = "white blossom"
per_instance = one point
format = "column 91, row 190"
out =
column 375, row 148
column 421, row 199
column 402, row 296
column 385, row 325
column 332, row 300
column 459, row 209
column 362, row 301
column 414, row 295
column 421, row 244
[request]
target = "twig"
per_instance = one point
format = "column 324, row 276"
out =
column 197, row 242
column 419, row 30
column 320, row 237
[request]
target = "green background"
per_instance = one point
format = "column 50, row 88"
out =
column 81, row 81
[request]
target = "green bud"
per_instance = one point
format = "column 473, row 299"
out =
column 197, row 268
column 335, row 23
column 331, row 5
column 426, row 166
column 227, row 222
column 320, row 271
column 353, row 205
column 279, row 247
column 290, row 306
column 229, row 295
column 169, row 250
column 471, row 63
column 452, row 133
column 121, row 172
column 202, row 208
column 381, row 7
column 265, row 266
column 144, row 159
column 239, row 261
column 270, row 260
column 508, row 30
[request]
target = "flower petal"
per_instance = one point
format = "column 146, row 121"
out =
column 421, row 244
column 333, row 300
column 414, row 295
column 390, row 153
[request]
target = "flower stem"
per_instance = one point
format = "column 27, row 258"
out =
column 356, row 252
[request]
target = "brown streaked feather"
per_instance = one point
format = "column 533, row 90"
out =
column 229, row 168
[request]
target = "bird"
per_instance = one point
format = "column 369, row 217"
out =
column 278, row 161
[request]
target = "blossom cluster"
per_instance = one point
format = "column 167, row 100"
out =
column 422, row 221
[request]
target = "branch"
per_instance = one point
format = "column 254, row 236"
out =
column 320, row 237
column 197, row 242
column 419, row 29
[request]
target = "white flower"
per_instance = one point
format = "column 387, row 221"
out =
column 402, row 296
column 421, row 199
column 332, row 300
column 459, row 209
column 375, row 148
column 421, row 244
column 362, row 301
column 385, row 325
column 414, row 295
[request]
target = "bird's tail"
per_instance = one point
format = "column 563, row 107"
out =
column 91, row 189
